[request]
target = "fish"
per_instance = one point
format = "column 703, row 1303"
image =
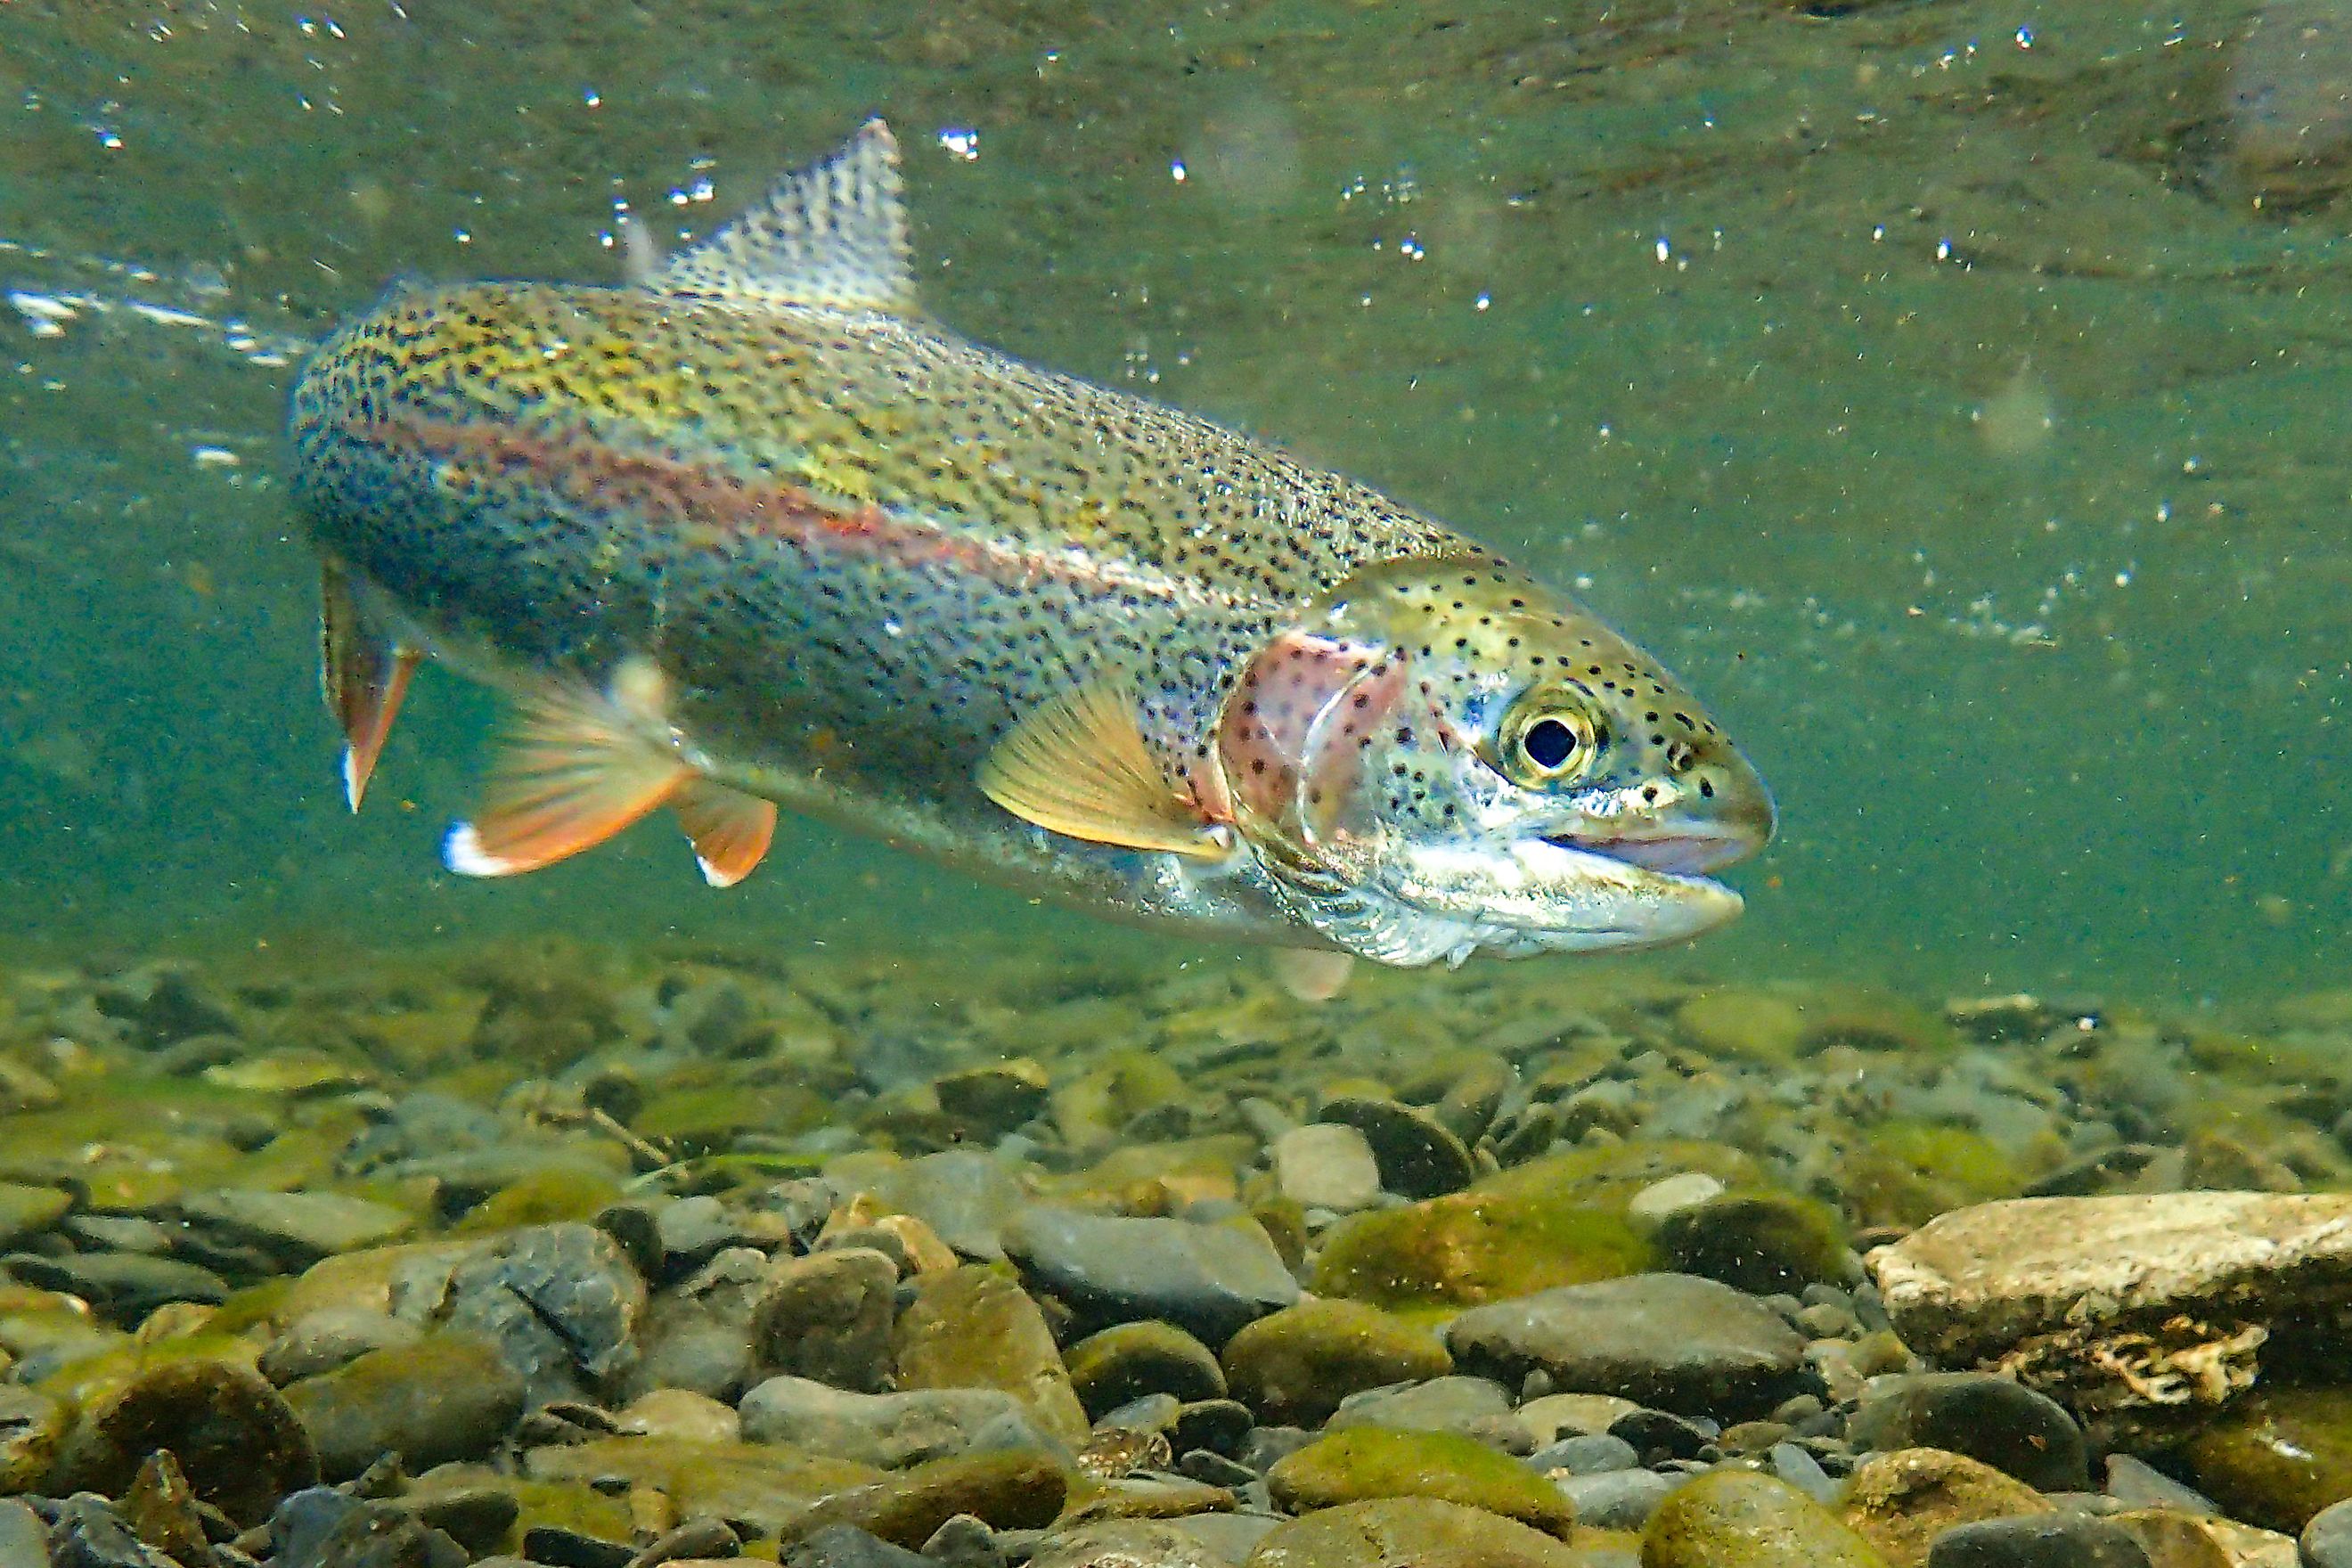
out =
column 751, row 532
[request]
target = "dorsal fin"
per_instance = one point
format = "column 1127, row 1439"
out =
column 834, row 234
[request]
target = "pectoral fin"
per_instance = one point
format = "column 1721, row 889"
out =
column 729, row 829
column 1079, row 765
column 362, row 674
column 575, row 771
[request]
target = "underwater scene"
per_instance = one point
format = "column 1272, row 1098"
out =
column 1203, row 786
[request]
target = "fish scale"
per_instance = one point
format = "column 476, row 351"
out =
column 756, row 530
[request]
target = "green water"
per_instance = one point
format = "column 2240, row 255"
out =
column 1957, row 394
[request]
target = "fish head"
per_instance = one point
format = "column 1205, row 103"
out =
column 1443, row 756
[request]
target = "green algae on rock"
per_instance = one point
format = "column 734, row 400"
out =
column 1296, row 1366
column 2279, row 1457
column 448, row 1396
column 1739, row 1519
column 1755, row 1240
column 1127, row 1360
column 974, row 1327
column 1004, row 1491
column 1902, row 1501
column 1367, row 1462
column 765, row 1485
column 240, row 1444
column 1412, row 1532
column 1473, row 1247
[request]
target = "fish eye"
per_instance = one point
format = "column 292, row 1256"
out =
column 1545, row 742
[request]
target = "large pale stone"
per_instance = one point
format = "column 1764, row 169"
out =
column 2126, row 1305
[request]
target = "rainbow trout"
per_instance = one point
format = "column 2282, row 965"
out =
column 752, row 531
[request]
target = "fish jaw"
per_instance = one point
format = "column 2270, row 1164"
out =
column 1533, row 895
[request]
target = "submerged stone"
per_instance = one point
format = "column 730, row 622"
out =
column 1410, row 1532
column 240, row 1444
column 1127, row 1360
column 1738, row 1518
column 2279, row 1458
column 1295, row 1367
column 1209, row 1279
column 446, row 1397
column 1671, row 1340
column 1005, row 1490
column 1903, row 1500
column 1761, row 1242
column 888, row 1430
column 1359, row 1465
column 974, row 1327
column 1994, row 1419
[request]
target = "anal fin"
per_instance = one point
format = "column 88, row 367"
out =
column 1078, row 765
column 362, row 674
column 578, row 769
column 729, row 830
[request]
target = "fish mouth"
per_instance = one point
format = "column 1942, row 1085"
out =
column 1682, row 852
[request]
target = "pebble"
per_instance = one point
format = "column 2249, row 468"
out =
column 1124, row 1543
column 295, row 1229
column 1368, row 1462
column 964, row 1195
column 1902, row 1502
column 2045, row 1541
column 1586, row 1454
column 23, row 1535
column 2277, row 1457
column 124, row 1286
column 1326, row 1165
column 31, row 1426
column 560, row 1303
column 322, row 1341
column 27, row 1210
column 1209, row 1279
column 974, row 1327
column 846, row 1546
column 1995, row 1419
column 1008, row 1490
column 1671, row 1340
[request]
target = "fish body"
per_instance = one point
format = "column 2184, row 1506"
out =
column 752, row 531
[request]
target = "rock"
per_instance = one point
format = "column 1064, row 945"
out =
column 1136, row 1494
column 1464, row 1406
column 989, row 1101
column 2008, row 1426
column 2195, row 1281
column 1585, row 1454
column 2279, row 1458
column 1007, row 1491
column 29, row 1210
column 161, row 1508
column 2138, row 1484
column 1209, row 1279
column 680, row 1412
column 2043, row 1540
column 477, row 1518
column 1413, row 1532
column 1903, row 1500
column 846, row 1546
column 322, row 1341
column 965, row 1195
column 124, row 1286
column 1220, row 1426
column 1126, row 1543
column 1417, row 1154
column 1669, row 1340
column 1327, row 1165
column 2326, row 1541
column 1743, row 1025
column 974, row 1327
column 23, row 1535
column 1503, row 1238
column 241, row 1446
column 1738, row 1518
column 31, row 1426
column 1760, row 1242
column 828, row 1317
column 1295, row 1367
column 447, row 1396
column 700, row 1334
column 89, row 1533
column 297, row 1230
column 1617, row 1499
column 885, row 1430
column 560, row 1301
column 1556, row 1416
column 1649, row 1208
column 1127, row 1360
column 769, row 1488
column 1360, row 1465
column 2176, row 1540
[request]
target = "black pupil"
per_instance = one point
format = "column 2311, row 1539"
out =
column 1549, row 743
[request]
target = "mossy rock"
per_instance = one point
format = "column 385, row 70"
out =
column 1758, row 1241
column 764, row 1484
column 1004, row 1491
column 1739, row 1519
column 1367, row 1462
column 544, row 1197
column 709, row 1117
column 1475, row 1246
column 1900, row 1501
column 1907, row 1173
column 1607, row 1176
column 1127, row 1360
column 2278, row 1457
column 1743, row 1024
column 1410, row 1532
column 974, row 1327
column 1294, row 1366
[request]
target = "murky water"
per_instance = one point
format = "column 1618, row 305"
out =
column 1958, row 393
